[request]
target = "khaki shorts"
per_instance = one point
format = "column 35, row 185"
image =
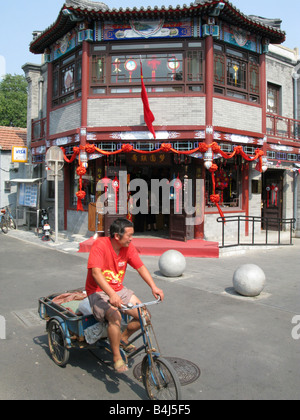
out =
column 99, row 302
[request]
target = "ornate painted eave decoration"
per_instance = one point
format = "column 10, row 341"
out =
column 74, row 11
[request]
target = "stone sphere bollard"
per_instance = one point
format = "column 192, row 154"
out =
column 249, row 280
column 172, row 263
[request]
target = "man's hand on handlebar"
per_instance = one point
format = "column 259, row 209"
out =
column 158, row 293
column 116, row 301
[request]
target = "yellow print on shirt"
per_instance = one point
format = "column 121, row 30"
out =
column 112, row 277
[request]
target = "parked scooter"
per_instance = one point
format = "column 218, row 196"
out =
column 46, row 229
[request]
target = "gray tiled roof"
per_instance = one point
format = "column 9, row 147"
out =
column 74, row 10
column 87, row 5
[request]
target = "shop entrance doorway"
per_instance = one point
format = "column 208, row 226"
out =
column 136, row 171
column 272, row 196
column 154, row 223
column 169, row 218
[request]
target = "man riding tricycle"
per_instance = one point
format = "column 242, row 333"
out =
column 115, row 314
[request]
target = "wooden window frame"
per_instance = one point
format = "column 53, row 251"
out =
column 69, row 62
column 276, row 89
column 186, row 51
column 240, row 84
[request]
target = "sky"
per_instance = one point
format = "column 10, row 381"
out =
column 20, row 18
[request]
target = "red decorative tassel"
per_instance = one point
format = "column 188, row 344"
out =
column 215, row 198
column 80, row 196
column 116, row 186
column 268, row 196
column 178, row 188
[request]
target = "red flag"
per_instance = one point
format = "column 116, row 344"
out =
column 148, row 116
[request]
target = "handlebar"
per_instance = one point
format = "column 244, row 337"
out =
column 139, row 305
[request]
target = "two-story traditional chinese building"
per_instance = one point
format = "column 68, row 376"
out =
column 205, row 73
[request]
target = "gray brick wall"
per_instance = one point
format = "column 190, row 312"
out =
column 129, row 111
column 280, row 73
column 9, row 198
column 237, row 116
column 65, row 118
column 32, row 73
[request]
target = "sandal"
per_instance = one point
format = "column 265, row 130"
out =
column 129, row 348
column 120, row 366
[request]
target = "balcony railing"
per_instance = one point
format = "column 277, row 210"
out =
column 38, row 130
column 285, row 128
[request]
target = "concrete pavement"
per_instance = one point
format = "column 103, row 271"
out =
column 66, row 242
column 246, row 348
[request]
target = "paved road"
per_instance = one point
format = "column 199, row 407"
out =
column 243, row 346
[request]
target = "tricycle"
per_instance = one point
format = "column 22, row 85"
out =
column 68, row 329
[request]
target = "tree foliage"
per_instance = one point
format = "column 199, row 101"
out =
column 13, row 101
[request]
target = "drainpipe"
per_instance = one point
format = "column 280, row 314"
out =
column 40, row 98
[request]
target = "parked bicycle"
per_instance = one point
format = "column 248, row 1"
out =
column 3, row 221
column 9, row 218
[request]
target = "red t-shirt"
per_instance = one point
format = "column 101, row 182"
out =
column 113, row 266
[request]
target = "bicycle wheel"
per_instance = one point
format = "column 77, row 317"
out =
column 4, row 226
column 160, row 379
column 56, row 340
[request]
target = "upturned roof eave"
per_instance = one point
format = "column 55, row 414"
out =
column 62, row 25
column 230, row 13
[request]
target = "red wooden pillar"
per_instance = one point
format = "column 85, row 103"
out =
column 209, row 137
column 84, row 91
column 245, row 196
column 209, row 88
column 263, row 97
column 49, row 97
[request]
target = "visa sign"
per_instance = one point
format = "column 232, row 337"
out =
column 19, row 154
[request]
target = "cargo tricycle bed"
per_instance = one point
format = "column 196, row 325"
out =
column 68, row 328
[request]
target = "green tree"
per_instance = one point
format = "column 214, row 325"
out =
column 13, row 101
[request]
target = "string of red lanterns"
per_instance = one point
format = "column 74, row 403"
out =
column 206, row 149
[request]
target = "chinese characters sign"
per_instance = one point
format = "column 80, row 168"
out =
column 149, row 159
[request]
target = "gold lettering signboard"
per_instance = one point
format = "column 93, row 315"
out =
column 148, row 159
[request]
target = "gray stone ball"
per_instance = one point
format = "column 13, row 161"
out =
column 172, row 263
column 249, row 280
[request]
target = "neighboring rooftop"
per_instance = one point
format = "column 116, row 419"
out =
column 12, row 136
